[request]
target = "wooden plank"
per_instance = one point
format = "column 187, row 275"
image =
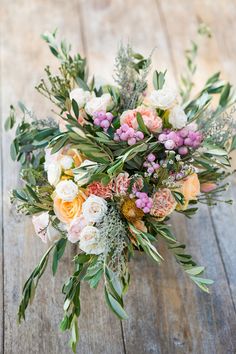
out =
column 223, row 216
column 23, row 59
column 167, row 313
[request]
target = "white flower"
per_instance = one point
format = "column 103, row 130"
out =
column 67, row 190
column 66, row 162
column 80, row 96
column 90, row 240
column 177, row 117
column 44, row 229
column 54, row 173
column 82, row 177
column 98, row 104
column 75, row 228
column 94, row 208
column 50, row 158
column 163, row 99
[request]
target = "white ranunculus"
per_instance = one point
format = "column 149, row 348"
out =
column 177, row 117
column 80, row 96
column 90, row 240
column 82, row 177
column 96, row 104
column 54, row 173
column 163, row 99
column 66, row 162
column 67, row 190
column 94, row 208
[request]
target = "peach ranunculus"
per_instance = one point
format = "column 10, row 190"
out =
column 190, row 187
column 163, row 203
column 67, row 211
column 150, row 118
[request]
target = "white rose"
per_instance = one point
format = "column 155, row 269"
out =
column 98, row 104
column 94, row 208
column 41, row 222
column 163, row 99
column 82, row 177
column 44, row 229
column 67, row 190
column 177, row 117
column 80, row 96
column 66, row 162
column 54, row 173
column 90, row 241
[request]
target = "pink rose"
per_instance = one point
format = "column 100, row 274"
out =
column 121, row 184
column 150, row 118
column 75, row 228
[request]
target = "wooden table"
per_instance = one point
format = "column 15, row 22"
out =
column 167, row 313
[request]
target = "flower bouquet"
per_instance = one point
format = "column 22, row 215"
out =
column 115, row 163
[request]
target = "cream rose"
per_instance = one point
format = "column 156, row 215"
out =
column 98, row 104
column 163, row 99
column 67, row 190
column 94, row 208
column 54, row 173
column 177, row 117
column 90, row 241
column 80, row 96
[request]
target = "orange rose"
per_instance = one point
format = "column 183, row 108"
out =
column 190, row 187
column 67, row 211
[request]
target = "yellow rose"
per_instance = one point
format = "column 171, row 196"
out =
column 67, row 211
column 190, row 188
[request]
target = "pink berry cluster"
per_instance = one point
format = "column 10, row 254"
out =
column 126, row 133
column 151, row 164
column 103, row 119
column 144, row 202
column 180, row 140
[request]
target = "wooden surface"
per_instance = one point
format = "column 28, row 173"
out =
column 167, row 313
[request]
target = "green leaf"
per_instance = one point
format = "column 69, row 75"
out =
column 58, row 253
column 115, row 305
column 82, row 84
column 141, row 124
column 75, row 108
column 158, row 79
column 225, row 95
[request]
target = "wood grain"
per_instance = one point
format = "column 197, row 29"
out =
column 167, row 313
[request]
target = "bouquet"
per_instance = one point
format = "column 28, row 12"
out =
column 107, row 173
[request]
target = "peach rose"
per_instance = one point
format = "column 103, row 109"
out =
column 150, row 118
column 67, row 211
column 190, row 187
column 208, row 187
column 163, row 203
